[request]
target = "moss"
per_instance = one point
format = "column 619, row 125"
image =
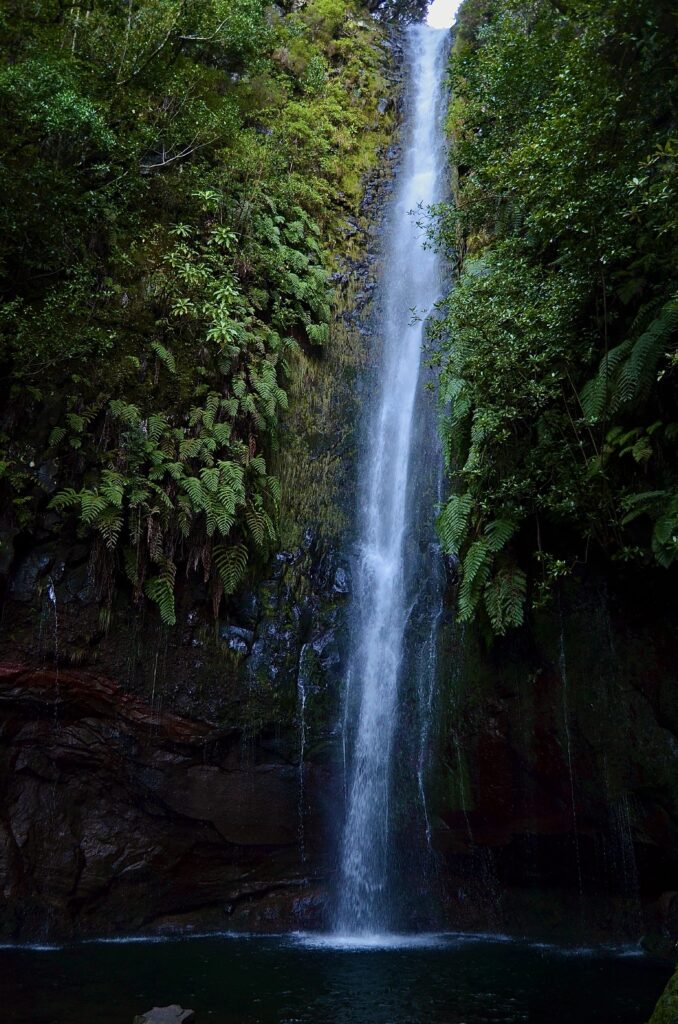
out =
column 666, row 1010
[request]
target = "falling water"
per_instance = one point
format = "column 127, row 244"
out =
column 397, row 578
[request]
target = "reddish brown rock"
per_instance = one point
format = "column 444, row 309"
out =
column 116, row 816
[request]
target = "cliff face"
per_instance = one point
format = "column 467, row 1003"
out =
column 155, row 778
column 188, row 777
column 559, row 771
column 118, row 816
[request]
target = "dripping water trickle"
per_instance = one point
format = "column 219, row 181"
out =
column 301, row 705
column 568, row 747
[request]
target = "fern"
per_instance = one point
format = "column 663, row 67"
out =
column 65, row 499
column 222, row 433
column 157, row 425
column 165, row 356
column 256, row 524
column 56, row 437
column 505, row 598
column 475, row 573
column 128, row 413
column 210, row 479
column 453, row 522
column 231, row 565
column 130, row 557
column 160, row 589
column 629, row 371
column 274, row 488
column 211, row 409
column 318, row 334
column 91, row 505
column 109, row 523
column 194, row 489
column 498, row 533
column 665, row 535
column 189, row 448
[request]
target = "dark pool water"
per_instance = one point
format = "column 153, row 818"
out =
column 303, row 980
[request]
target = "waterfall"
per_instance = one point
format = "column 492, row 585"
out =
column 398, row 569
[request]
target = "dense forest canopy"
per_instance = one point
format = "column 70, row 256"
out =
column 559, row 360
column 174, row 175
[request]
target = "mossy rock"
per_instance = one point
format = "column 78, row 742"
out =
column 666, row 1010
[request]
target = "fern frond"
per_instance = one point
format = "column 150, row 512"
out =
column 498, row 533
column 130, row 557
column 194, row 489
column 157, row 425
column 453, row 522
column 160, row 589
column 231, row 564
column 210, row 479
column 475, row 573
column 255, row 523
column 128, row 413
column 65, row 499
column 639, row 372
column 505, row 598
column 165, row 356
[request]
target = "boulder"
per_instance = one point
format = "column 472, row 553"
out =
column 666, row 1010
column 173, row 1014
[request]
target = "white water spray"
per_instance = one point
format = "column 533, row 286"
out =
column 392, row 566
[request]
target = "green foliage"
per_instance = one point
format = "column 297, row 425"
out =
column 628, row 372
column 173, row 175
column 558, row 343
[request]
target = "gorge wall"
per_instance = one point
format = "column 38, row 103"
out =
column 189, row 777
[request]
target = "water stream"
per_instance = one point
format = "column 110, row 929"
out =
column 398, row 567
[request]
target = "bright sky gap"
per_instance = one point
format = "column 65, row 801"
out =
column 442, row 13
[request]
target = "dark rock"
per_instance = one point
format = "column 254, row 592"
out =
column 7, row 550
column 173, row 1014
column 117, row 815
column 237, row 638
column 342, row 583
column 25, row 580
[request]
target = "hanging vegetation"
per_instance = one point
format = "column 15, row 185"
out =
column 558, row 343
